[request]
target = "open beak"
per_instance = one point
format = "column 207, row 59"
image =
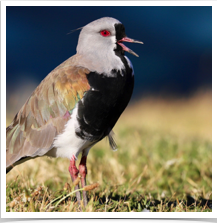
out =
column 126, row 39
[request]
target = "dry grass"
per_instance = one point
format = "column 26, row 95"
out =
column 164, row 163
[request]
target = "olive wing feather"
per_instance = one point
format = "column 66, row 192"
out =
column 45, row 113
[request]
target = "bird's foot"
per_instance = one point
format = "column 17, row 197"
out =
column 75, row 173
column 83, row 173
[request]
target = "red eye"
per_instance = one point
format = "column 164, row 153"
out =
column 105, row 33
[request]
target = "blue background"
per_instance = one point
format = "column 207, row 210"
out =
column 175, row 60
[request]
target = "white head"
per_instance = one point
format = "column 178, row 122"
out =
column 91, row 40
column 99, row 43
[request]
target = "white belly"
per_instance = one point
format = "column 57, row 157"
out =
column 68, row 143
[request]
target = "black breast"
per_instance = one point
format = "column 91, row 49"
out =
column 103, row 104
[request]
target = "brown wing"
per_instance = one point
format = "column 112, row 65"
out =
column 45, row 113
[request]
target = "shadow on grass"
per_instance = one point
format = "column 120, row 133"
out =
column 136, row 202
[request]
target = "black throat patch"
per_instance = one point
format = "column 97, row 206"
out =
column 103, row 104
column 120, row 31
column 120, row 34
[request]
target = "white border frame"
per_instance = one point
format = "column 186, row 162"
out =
column 36, row 215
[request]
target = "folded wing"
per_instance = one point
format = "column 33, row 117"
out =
column 45, row 113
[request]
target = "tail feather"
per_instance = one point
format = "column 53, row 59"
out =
column 22, row 160
column 112, row 142
column 8, row 169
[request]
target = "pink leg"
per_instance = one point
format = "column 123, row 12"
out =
column 74, row 174
column 83, row 173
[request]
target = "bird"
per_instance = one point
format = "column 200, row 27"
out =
column 78, row 103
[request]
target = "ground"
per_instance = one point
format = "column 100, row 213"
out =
column 163, row 164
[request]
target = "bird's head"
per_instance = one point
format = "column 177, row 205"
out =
column 101, row 41
column 104, row 35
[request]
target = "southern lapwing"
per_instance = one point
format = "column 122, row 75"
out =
column 78, row 103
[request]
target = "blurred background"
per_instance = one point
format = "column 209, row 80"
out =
column 165, row 134
column 173, row 71
column 175, row 60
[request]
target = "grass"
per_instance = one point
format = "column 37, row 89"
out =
column 163, row 164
